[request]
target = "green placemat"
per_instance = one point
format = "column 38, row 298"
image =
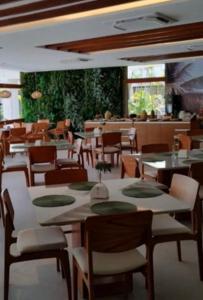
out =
column 198, row 155
column 140, row 190
column 53, row 200
column 82, row 186
column 166, row 154
column 152, row 159
column 190, row 161
column 112, row 207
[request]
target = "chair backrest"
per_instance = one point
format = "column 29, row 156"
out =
column 117, row 233
column 8, row 210
column 132, row 133
column 42, row 154
column 61, row 124
column 196, row 171
column 65, row 176
column 40, row 127
column 17, row 132
column 111, row 138
column 185, row 189
column 78, row 146
column 155, row 148
column 184, row 140
column 129, row 166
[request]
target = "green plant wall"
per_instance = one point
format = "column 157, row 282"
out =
column 78, row 95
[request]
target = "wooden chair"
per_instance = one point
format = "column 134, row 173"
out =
column 16, row 136
column 110, row 250
column 147, row 172
column 70, row 162
column 39, row 243
column 131, row 144
column 166, row 228
column 60, row 129
column 41, row 160
column 185, row 141
column 13, row 167
column 65, row 176
column 43, row 121
column 38, row 132
column 111, row 144
column 196, row 172
column 129, row 166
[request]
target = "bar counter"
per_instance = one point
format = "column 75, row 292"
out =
column 148, row 132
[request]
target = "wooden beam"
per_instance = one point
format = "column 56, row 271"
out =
column 142, row 80
column 11, row 86
column 165, row 56
column 73, row 6
column 163, row 35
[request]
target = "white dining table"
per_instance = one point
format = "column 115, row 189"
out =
column 81, row 208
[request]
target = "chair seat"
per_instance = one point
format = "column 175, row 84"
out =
column 66, row 161
column 44, row 167
column 110, row 263
column 108, row 150
column 40, row 239
column 16, row 165
column 164, row 224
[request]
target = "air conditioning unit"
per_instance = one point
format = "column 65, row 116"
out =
column 144, row 21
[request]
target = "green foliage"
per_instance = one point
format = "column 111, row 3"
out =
column 146, row 100
column 78, row 95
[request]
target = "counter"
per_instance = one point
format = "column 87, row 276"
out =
column 148, row 132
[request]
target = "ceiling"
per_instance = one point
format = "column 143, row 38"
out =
column 42, row 35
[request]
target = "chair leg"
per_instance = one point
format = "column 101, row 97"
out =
column 6, row 279
column 66, row 270
column 75, row 281
column 179, row 250
column 32, row 179
column 200, row 257
column 27, row 177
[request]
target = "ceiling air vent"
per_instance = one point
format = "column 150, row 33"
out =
column 144, row 21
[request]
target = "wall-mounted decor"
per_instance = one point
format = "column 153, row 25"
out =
column 5, row 94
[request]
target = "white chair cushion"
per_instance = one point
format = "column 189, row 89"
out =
column 110, row 263
column 108, row 149
column 40, row 239
column 19, row 164
column 64, row 161
column 43, row 167
column 164, row 224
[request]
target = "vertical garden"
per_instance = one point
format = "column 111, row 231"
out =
column 78, row 95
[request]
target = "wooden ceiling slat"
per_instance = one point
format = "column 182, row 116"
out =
column 74, row 8
column 10, row 86
column 148, row 37
column 164, row 56
column 31, row 7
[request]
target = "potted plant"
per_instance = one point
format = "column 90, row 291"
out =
column 100, row 191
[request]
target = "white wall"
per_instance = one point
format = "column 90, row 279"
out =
column 10, row 106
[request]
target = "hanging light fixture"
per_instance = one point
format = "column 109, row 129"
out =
column 36, row 94
column 5, row 94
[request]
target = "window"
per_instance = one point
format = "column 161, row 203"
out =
column 146, row 89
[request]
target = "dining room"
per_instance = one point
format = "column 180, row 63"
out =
column 101, row 158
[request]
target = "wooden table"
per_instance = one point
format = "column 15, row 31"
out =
column 76, row 213
column 80, row 209
column 169, row 162
column 23, row 147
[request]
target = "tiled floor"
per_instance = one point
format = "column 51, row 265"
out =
column 39, row 279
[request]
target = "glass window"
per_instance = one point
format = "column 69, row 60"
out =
column 146, row 89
